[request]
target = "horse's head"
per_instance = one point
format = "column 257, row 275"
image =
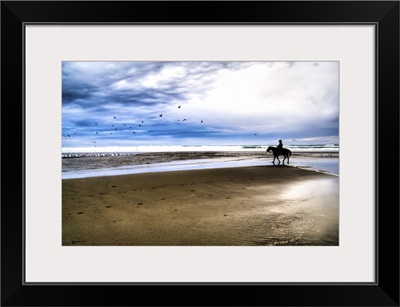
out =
column 269, row 148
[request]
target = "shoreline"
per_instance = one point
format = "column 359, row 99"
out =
column 94, row 166
column 74, row 155
column 244, row 206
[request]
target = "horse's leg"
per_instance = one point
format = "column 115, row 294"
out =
column 284, row 158
column 279, row 161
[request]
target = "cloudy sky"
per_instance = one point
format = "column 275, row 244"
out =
column 199, row 103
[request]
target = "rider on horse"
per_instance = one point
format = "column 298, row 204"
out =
column 280, row 146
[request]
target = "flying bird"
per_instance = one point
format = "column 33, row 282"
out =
column 201, row 121
column 160, row 115
column 179, row 107
column 184, row 119
column 69, row 135
column 115, row 117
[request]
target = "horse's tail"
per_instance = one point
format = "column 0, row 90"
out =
column 290, row 153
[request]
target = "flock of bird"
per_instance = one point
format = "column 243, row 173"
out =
column 113, row 128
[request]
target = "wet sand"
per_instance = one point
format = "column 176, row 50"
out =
column 262, row 205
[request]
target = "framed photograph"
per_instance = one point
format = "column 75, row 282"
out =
column 245, row 148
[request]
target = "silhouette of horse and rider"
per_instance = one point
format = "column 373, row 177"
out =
column 280, row 151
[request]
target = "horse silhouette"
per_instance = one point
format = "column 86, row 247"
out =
column 286, row 153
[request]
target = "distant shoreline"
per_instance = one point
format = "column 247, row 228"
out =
column 131, row 150
column 200, row 153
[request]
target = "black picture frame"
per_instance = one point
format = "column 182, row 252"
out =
column 383, row 14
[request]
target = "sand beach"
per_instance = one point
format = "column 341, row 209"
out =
column 238, row 206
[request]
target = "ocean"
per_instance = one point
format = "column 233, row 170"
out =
column 108, row 161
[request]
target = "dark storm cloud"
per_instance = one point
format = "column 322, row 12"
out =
column 143, row 97
column 78, row 93
column 90, row 86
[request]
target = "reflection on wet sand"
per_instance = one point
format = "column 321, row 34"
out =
column 307, row 214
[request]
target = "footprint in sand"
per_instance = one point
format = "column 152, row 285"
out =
column 80, row 213
column 108, row 206
column 114, row 186
column 139, row 204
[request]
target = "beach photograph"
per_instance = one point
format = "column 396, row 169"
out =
column 200, row 153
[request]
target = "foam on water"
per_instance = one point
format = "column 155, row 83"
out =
column 98, row 151
column 164, row 167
